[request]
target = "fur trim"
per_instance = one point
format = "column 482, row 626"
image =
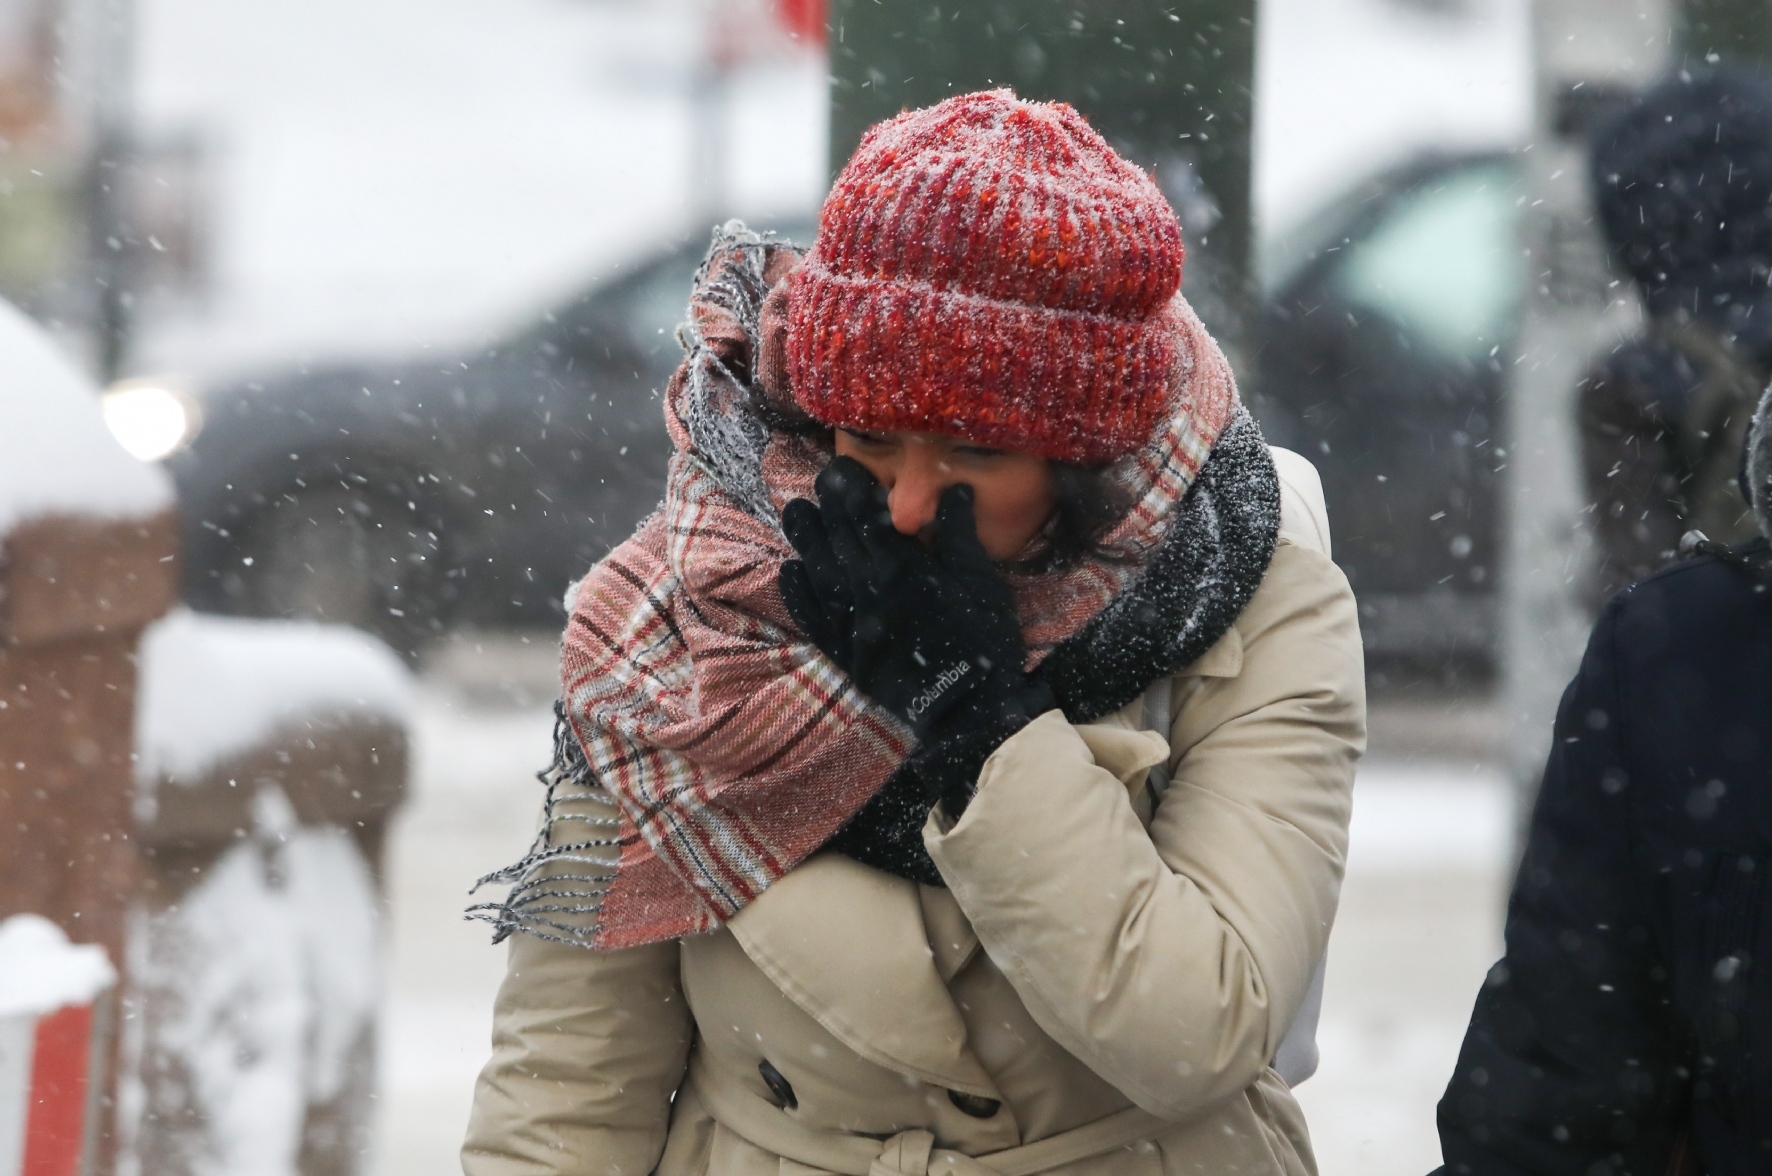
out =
column 1759, row 464
column 1755, row 557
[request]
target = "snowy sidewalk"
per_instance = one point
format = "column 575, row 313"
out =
column 1419, row 926
column 472, row 808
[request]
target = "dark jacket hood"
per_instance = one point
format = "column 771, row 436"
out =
column 1682, row 181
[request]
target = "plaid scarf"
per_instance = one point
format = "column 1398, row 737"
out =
column 706, row 747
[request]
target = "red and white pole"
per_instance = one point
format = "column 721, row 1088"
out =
column 52, row 998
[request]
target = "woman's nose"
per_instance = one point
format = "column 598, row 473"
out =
column 913, row 497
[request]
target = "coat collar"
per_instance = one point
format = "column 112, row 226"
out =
column 1223, row 660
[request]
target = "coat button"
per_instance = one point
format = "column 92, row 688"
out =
column 975, row 1105
column 778, row 1086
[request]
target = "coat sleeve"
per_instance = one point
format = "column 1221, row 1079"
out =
column 1172, row 961
column 1569, row 1065
column 588, row 1048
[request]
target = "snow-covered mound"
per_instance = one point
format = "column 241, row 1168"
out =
column 213, row 687
column 56, row 455
column 40, row 971
column 259, row 991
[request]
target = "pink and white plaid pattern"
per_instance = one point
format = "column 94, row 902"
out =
column 732, row 747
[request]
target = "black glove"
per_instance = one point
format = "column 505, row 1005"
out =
column 932, row 635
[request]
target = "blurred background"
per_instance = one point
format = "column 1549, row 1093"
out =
column 346, row 326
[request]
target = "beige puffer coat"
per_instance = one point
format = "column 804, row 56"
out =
column 1100, row 992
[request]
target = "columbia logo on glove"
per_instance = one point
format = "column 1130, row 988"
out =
column 890, row 610
column 943, row 682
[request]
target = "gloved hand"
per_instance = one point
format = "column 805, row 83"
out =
column 931, row 635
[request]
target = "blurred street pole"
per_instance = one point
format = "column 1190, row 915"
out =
column 113, row 129
column 1589, row 55
column 1168, row 84
column 65, row 98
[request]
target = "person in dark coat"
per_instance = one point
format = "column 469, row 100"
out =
column 1628, row 1029
column 1683, row 184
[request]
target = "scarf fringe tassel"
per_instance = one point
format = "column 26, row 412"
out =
column 557, row 888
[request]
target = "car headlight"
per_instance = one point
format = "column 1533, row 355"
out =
column 151, row 418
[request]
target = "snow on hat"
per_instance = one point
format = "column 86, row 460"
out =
column 989, row 268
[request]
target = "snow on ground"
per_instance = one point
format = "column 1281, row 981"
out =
column 1420, row 923
column 212, row 687
column 56, row 455
column 261, row 985
column 1414, row 816
column 473, row 808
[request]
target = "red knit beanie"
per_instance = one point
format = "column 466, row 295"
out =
column 990, row 269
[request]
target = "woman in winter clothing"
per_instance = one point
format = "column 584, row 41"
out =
column 1628, row 1028
column 955, row 772
column 1683, row 184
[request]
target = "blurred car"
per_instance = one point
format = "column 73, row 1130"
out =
column 441, row 490
column 469, row 489
column 1386, row 326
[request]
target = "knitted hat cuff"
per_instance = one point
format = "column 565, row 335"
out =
column 885, row 355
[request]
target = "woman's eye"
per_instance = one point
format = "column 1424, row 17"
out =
column 865, row 438
column 979, row 451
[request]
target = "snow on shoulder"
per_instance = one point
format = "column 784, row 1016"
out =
column 214, row 687
column 56, row 455
column 40, row 971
